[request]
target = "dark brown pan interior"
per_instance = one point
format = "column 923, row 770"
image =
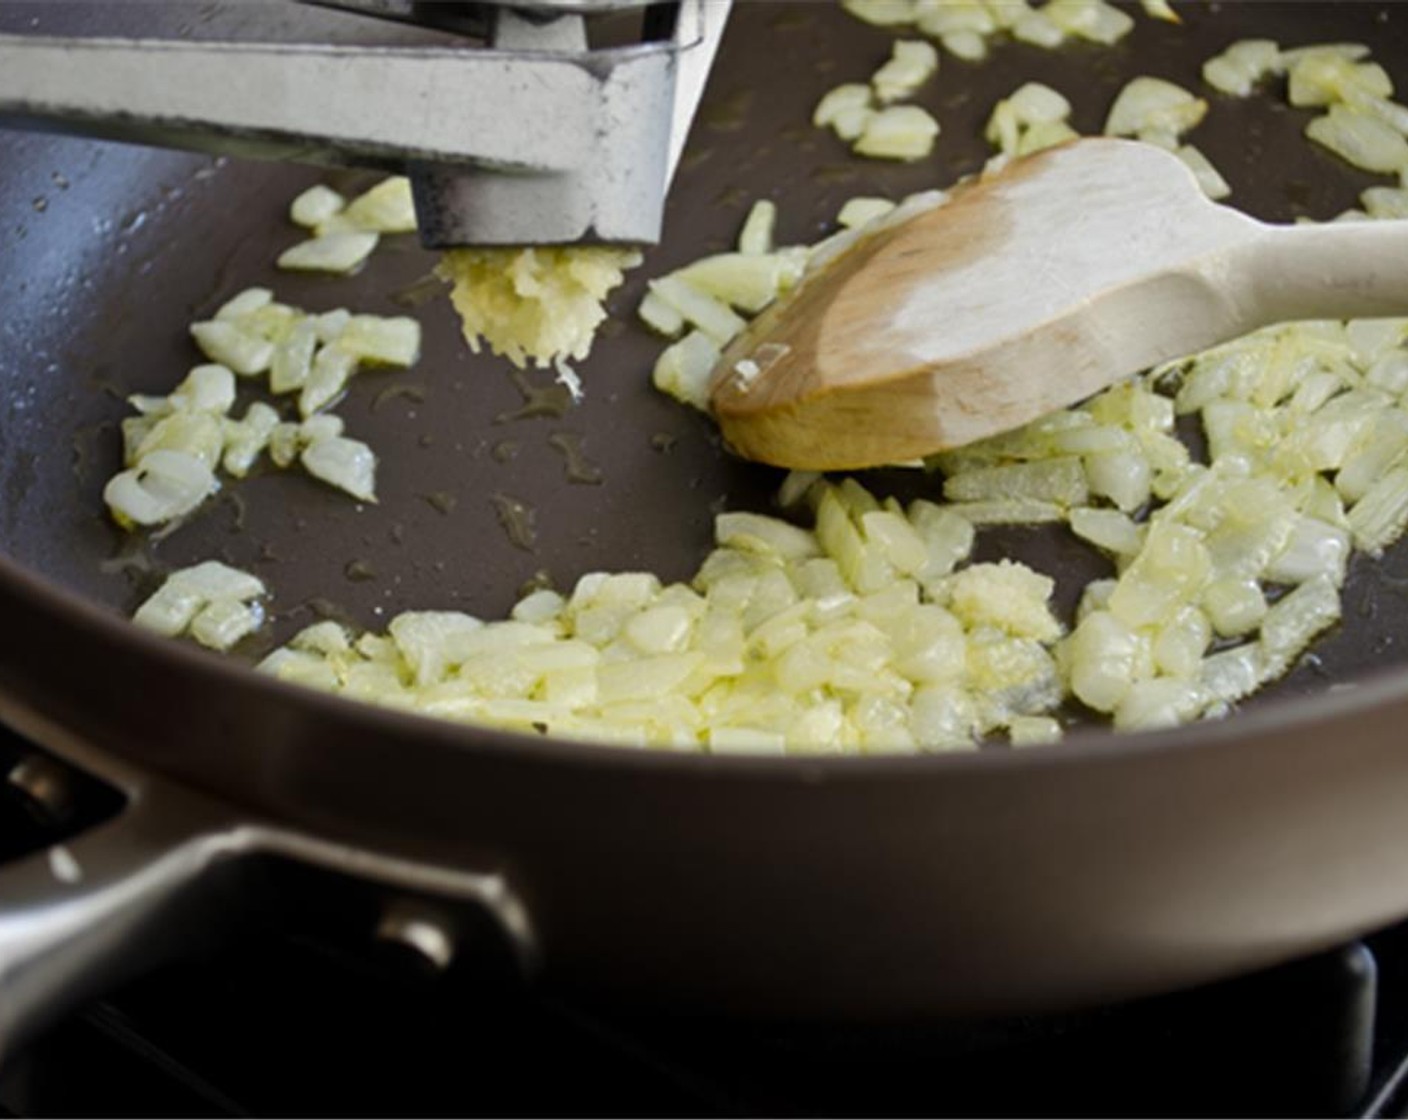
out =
column 110, row 251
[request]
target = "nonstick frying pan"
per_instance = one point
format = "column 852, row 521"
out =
column 983, row 882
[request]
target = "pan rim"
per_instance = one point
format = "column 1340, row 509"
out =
column 77, row 614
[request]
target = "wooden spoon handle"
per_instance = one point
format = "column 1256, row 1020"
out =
column 1340, row 270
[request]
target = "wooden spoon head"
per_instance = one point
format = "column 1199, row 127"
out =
column 1020, row 293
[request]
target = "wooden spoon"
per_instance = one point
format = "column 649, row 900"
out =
column 1025, row 292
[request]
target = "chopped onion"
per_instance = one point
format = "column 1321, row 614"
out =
column 901, row 132
column 1211, row 181
column 382, row 341
column 215, row 603
column 698, row 308
column 345, row 463
column 1160, row 9
column 385, row 208
column 882, row 13
column 332, row 252
column 1154, row 105
column 684, row 369
column 246, row 303
column 756, row 235
column 861, row 211
column 165, row 484
column 842, row 100
column 1242, row 65
column 229, row 345
column 315, row 206
column 1360, row 139
column 912, row 63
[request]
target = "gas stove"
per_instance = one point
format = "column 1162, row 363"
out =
column 313, row 1013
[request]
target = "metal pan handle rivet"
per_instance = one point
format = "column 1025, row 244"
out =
column 418, row 929
column 46, row 783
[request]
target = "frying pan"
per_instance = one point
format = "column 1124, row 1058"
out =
column 984, row 882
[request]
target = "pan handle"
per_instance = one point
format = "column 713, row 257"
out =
column 80, row 916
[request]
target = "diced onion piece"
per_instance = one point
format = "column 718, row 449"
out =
column 1123, row 477
column 971, row 46
column 1170, row 570
column 748, row 282
column 843, row 99
column 1031, row 731
column 197, row 434
column 1323, row 79
column 1314, row 549
column 1108, row 529
column 323, row 426
column 1153, row 704
column 1154, row 104
column 382, row 341
column 212, row 600
column 332, row 368
column 751, row 532
column 315, row 206
column 1380, row 517
column 660, row 316
column 1234, row 606
column 1035, row 103
column 1160, row 9
column 912, row 63
column 1390, row 112
column 861, row 211
column 1293, row 622
column 1104, row 657
column 208, row 388
column 1351, row 52
column 1003, row 129
column 387, row 208
column 1046, row 134
column 433, row 641
column 1209, row 179
column 900, row 132
column 699, row 308
column 246, row 303
column 332, row 252
column 231, row 346
column 950, row 16
column 1090, row 19
column 683, row 370
column 1360, row 139
column 223, row 622
column 757, row 233
column 1242, row 65
column 284, row 444
column 331, row 324
column 246, row 439
column 1039, row 30
column 1181, row 642
column 1385, row 202
column 850, row 124
column 948, row 536
column 882, row 13
column 347, row 464
column 164, row 485
column 293, row 358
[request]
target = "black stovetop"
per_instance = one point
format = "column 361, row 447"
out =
column 310, row 1016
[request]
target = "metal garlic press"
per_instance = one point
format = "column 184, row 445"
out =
column 522, row 135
